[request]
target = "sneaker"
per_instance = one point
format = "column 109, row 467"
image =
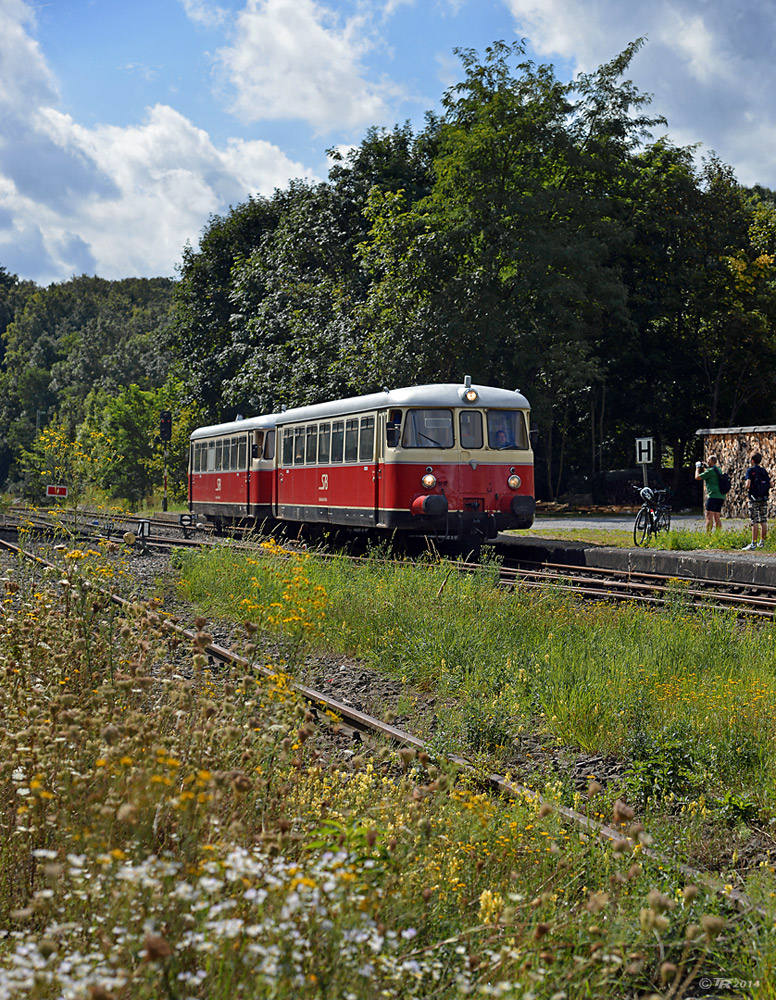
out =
column 760, row 544
column 749, row 547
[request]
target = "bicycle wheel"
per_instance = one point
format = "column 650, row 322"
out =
column 641, row 527
column 663, row 522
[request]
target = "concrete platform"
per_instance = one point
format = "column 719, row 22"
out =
column 745, row 568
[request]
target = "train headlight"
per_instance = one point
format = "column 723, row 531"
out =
column 429, row 481
column 514, row 482
column 467, row 392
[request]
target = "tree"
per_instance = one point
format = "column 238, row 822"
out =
column 509, row 269
column 75, row 336
column 201, row 334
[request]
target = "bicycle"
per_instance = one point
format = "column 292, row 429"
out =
column 653, row 517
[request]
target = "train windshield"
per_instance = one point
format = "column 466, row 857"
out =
column 470, row 423
column 428, row 429
column 506, row 429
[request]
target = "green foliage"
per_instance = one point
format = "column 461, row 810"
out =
column 55, row 458
column 72, row 338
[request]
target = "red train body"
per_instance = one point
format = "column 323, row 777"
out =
column 448, row 461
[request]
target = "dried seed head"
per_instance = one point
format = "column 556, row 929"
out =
column 546, row 810
column 712, row 925
column 659, row 901
column 97, row 992
column 111, row 735
column 156, row 947
column 622, row 812
column 541, row 931
column 621, row 847
column 667, row 971
column 690, row 892
column 598, row 901
column 593, row 788
column 241, row 783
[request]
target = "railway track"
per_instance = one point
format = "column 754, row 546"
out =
column 366, row 728
column 650, row 589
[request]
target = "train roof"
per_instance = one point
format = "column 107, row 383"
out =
column 449, row 394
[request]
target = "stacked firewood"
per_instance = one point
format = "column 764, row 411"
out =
column 734, row 448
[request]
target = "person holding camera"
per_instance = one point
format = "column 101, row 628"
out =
column 709, row 474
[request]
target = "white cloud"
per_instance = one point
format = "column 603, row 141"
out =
column 167, row 179
column 24, row 76
column 298, row 59
column 117, row 201
column 574, row 29
column 204, row 13
column 694, row 43
column 710, row 67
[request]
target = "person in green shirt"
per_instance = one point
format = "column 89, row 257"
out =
column 714, row 495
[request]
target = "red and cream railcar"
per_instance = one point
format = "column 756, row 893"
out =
column 451, row 461
column 232, row 470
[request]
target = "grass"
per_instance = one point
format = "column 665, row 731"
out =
column 174, row 831
column 603, row 678
column 731, row 537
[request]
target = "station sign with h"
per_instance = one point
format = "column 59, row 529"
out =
column 645, row 450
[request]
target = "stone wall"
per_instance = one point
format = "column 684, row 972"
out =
column 733, row 447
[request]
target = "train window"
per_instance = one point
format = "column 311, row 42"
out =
column 234, row 464
column 337, row 440
column 242, row 453
column 506, row 429
column 471, row 428
column 269, row 446
column 288, row 446
column 428, row 429
column 211, row 456
column 299, row 446
column 219, row 455
column 393, row 428
column 351, row 440
column 366, row 442
column 324, row 443
column 311, row 448
column 258, row 444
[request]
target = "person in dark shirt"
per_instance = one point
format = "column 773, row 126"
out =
column 758, row 484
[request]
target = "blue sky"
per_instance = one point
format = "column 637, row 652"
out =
column 124, row 126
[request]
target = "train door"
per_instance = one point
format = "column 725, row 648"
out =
column 474, row 479
column 254, row 473
column 381, row 423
